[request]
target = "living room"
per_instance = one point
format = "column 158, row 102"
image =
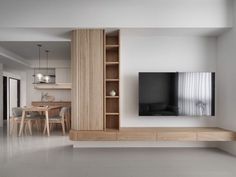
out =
column 112, row 43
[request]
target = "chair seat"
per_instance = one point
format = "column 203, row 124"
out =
column 36, row 117
column 55, row 118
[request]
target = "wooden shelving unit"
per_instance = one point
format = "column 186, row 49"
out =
column 111, row 80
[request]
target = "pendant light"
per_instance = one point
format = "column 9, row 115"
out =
column 47, row 77
column 39, row 75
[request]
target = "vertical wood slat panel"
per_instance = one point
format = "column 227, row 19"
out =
column 87, row 79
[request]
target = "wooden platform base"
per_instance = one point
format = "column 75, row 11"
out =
column 156, row 134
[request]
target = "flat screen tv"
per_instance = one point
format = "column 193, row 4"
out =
column 177, row 94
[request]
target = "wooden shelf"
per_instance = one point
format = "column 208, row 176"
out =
column 58, row 86
column 112, row 80
column 112, row 114
column 112, row 46
column 193, row 134
column 112, row 97
column 112, row 63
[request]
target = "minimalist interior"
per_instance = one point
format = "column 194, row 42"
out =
column 117, row 88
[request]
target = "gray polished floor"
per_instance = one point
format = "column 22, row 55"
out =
column 39, row 156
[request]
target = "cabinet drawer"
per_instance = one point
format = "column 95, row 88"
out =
column 216, row 136
column 176, row 136
column 96, row 136
column 136, row 136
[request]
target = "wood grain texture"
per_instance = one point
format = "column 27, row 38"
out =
column 176, row 136
column 216, row 136
column 93, row 136
column 87, row 79
column 164, row 134
column 136, row 136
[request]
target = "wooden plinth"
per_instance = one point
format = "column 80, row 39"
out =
column 156, row 134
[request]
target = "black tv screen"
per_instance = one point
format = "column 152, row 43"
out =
column 177, row 94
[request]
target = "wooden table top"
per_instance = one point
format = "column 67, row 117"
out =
column 40, row 108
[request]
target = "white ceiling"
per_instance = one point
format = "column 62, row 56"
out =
column 29, row 50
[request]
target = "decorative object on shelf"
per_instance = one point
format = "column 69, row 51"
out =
column 46, row 97
column 113, row 93
column 47, row 77
column 39, row 75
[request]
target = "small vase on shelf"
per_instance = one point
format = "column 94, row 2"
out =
column 112, row 93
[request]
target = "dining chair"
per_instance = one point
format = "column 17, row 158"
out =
column 16, row 120
column 58, row 119
column 68, row 119
column 36, row 118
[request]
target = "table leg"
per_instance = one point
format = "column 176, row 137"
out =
column 47, row 123
column 22, row 123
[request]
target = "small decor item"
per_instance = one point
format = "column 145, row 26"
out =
column 112, row 93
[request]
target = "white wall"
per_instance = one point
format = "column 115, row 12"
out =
column 226, row 69
column 1, row 96
column 145, row 52
column 113, row 13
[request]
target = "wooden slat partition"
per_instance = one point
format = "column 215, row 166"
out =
column 87, row 79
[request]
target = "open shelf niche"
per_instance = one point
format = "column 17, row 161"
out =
column 111, row 80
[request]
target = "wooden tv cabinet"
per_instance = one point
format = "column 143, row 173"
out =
column 156, row 134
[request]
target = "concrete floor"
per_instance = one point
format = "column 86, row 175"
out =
column 40, row 156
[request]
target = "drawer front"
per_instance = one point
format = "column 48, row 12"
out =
column 96, row 136
column 136, row 136
column 176, row 136
column 216, row 136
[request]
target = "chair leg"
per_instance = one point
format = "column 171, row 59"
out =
column 29, row 125
column 51, row 127
column 25, row 128
column 63, row 127
column 37, row 125
column 44, row 129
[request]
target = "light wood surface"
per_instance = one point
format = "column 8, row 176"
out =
column 58, row 86
column 87, row 79
column 136, row 136
column 44, row 109
column 97, row 136
column 112, row 80
column 161, row 134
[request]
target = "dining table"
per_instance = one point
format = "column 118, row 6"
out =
column 41, row 109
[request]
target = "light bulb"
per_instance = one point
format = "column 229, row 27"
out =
column 39, row 76
column 47, row 78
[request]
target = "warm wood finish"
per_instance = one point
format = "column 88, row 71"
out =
column 87, row 79
column 93, row 136
column 111, row 80
column 136, row 136
column 44, row 110
column 58, row 86
column 176, row 136
column 160, row 134
column 56, row 111
column 52, row 103
column 216, row 136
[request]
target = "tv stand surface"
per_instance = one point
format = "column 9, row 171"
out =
column 156, row 134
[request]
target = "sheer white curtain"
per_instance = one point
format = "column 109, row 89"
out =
column 194, row 93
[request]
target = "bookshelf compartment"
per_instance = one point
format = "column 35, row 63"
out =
column 112, row 86
column 112, row 55
column 112, row 72
column 112, row 105
column 111, row 80
column 112, row 122
column 112, row 40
